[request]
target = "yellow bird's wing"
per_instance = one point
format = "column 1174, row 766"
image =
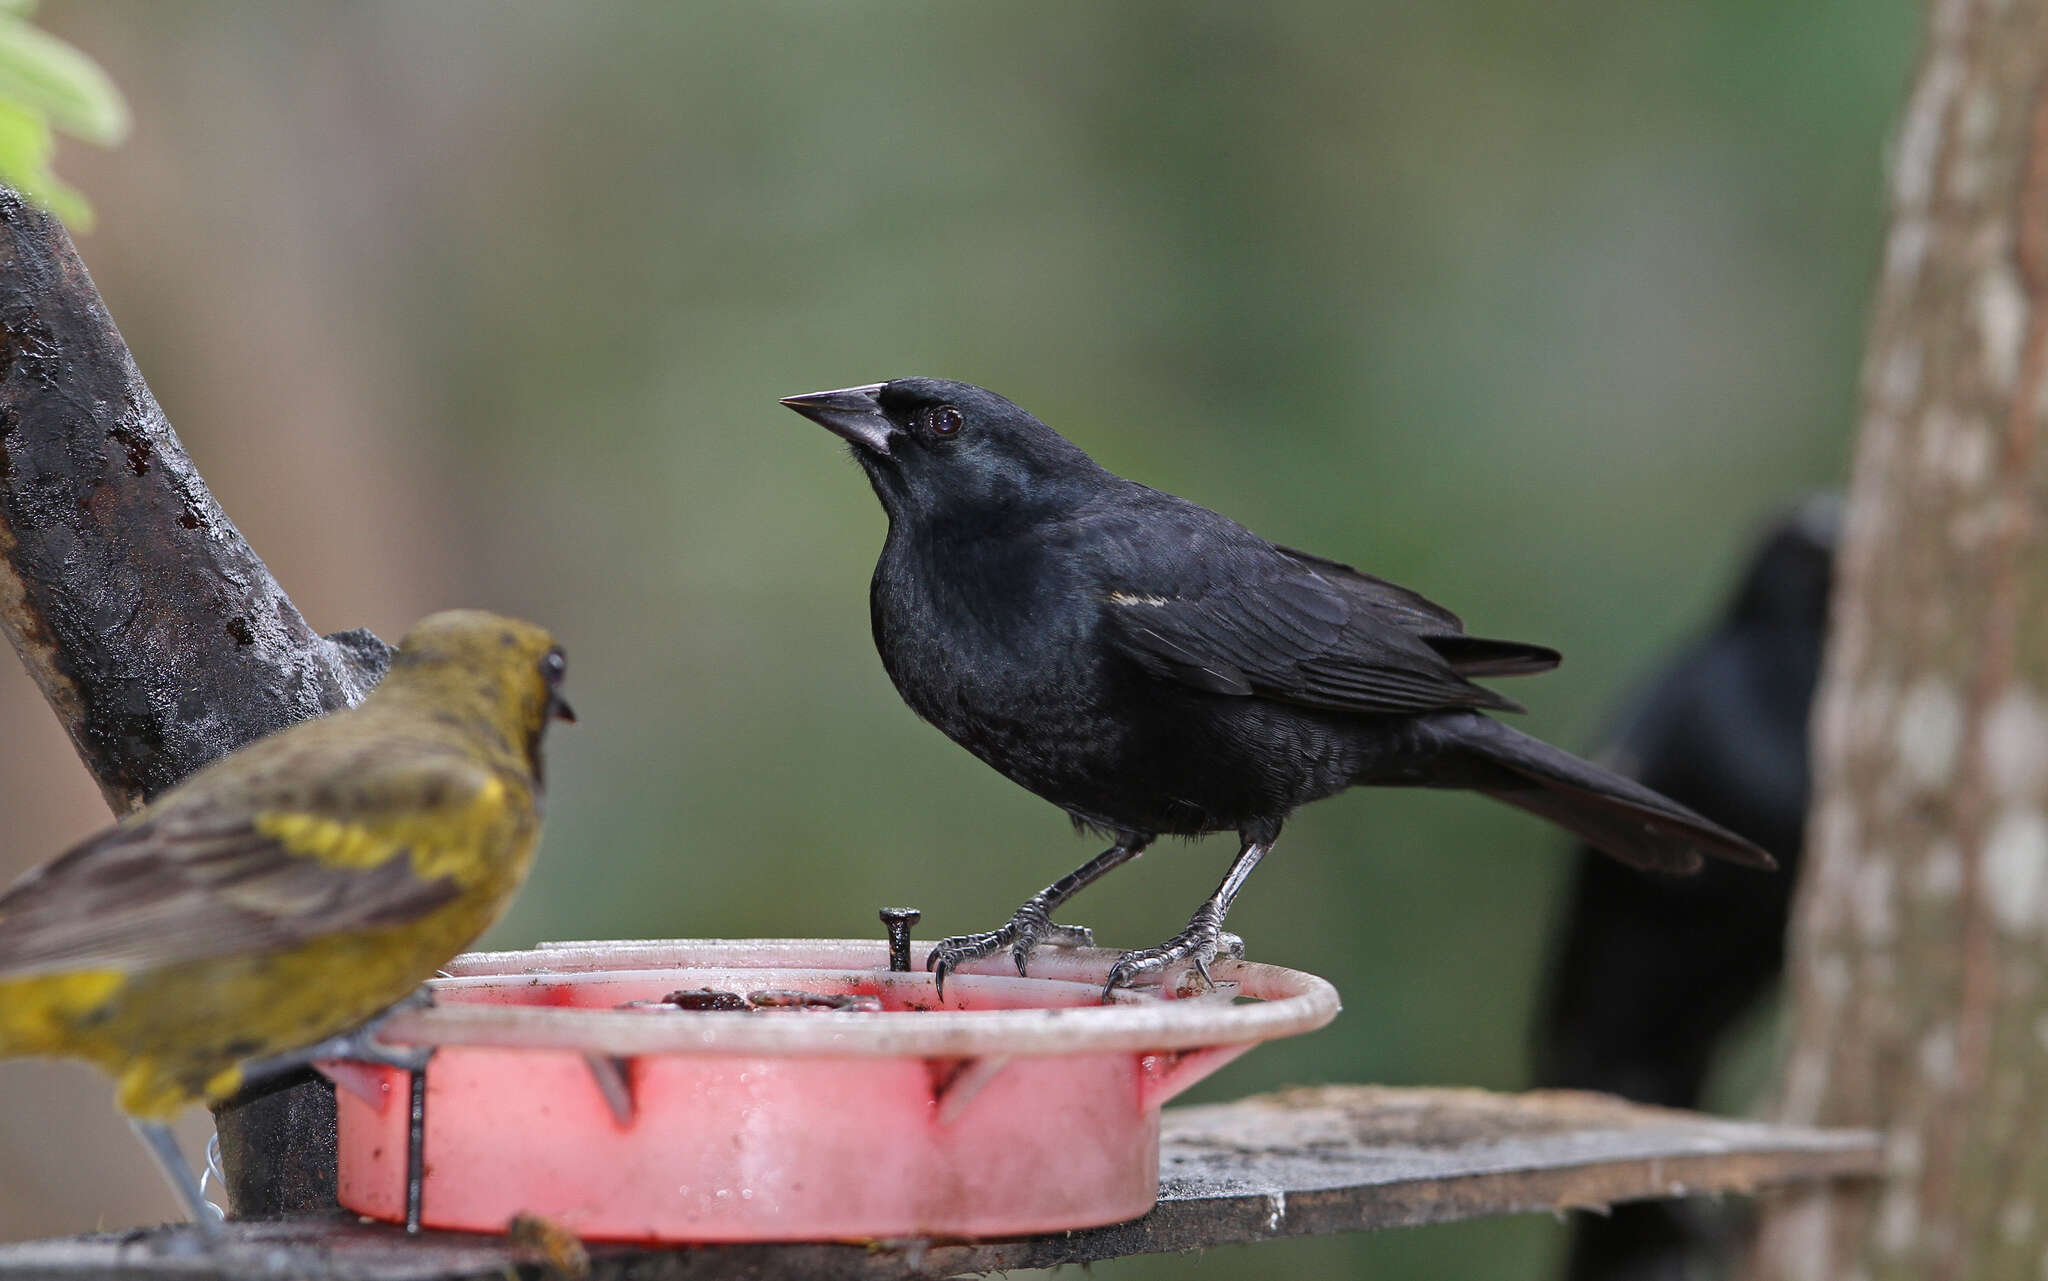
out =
column 207, row 876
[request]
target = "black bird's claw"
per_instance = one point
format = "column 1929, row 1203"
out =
column 948, row 955
column 1027, row 930
column 1066, row 936
column 1200, row 943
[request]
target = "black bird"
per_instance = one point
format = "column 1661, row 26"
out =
column 1721, row 728
column 1153, row 668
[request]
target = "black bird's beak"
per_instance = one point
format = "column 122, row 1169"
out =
column 851, row 412
column 559, row 709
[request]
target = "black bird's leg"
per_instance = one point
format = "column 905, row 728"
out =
column 1204, row 938
column 163, row 1145
column 1032, row 923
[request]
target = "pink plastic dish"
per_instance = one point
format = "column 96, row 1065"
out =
column 1015, row 1106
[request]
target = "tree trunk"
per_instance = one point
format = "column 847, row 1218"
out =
column 158, row 636
column 1920, row 960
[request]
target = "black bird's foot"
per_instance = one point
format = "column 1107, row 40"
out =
column 1200, row 943
column 1031, row 928
column 1067, row 936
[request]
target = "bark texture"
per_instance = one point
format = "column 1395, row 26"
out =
column 1920, row 946
column 146, row 619
column 155, row 632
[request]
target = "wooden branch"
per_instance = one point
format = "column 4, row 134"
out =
column 1300, row 1163
column 158, row 636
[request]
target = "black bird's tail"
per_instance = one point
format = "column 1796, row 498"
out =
column 1615, row 815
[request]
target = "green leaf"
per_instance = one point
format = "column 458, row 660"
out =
column 24, row 139
column 46, row 76
column 26, row 145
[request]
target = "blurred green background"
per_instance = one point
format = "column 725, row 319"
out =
column 1539, row 308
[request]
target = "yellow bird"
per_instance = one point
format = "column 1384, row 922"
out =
column 291, row 890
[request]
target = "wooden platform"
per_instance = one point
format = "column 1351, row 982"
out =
column 1306, row 1162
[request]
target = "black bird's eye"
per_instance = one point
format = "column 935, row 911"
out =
column 554, row 666
column 947, row 421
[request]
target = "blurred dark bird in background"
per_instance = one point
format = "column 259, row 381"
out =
column 1648, row 974
column 1154, row 668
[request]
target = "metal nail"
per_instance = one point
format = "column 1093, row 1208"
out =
column 898, row 921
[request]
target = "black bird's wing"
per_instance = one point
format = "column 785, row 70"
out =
column 1195, row 598
column 1439, row 628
